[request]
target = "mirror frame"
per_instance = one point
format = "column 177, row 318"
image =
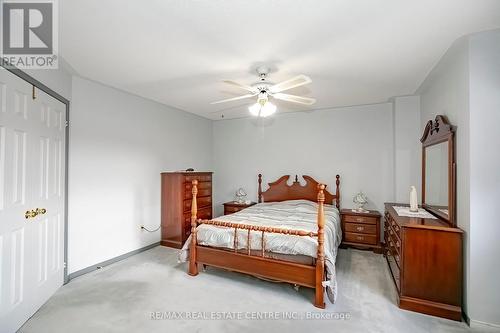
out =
column 435, row 132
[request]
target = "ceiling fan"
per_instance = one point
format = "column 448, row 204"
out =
column 264, row 90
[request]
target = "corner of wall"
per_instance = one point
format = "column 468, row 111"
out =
column 406, row 149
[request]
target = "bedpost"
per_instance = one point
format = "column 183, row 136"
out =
column 260, row 188
column 320, row 257
column 193, row 266
column 337, row 192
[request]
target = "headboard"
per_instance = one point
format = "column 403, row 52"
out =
column 281, row 191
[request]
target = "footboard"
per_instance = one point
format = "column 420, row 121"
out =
column 260, row 265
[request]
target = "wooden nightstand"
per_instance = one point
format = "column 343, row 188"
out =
column 361, row 230
column 233, row 207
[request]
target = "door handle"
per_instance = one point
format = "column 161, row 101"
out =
column 34, row 212
column 40, row 211
column 30, row 214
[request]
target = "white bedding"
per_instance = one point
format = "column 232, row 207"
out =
column 292, row 214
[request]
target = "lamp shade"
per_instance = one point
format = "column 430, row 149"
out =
column 265, row 110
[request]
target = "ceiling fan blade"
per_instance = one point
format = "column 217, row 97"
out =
column 234, row 98
column 242, row 86
column 295, row 99
column 294, row 82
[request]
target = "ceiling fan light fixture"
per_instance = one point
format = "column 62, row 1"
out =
column 259, row 110
column 262, row 98
column 264, row 90
column 268, row 109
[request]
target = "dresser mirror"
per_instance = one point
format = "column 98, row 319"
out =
column 438, row 169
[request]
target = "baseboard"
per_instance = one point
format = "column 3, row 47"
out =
column 481, row 324
column 110, row 261
column 173, row 244
column 431, row 308
column 476, row 323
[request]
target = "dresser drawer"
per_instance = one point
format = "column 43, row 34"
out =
column 200, row 178
column 361, row 228
column 394, row 225
column 187, row 230
column 203, row 214
column 394, row 247
column 201, row 193
column 201, row 185
column 394, row 237
column 360, row 219
column 201, row 202
column 395, row 271
column 387, row 227
column 360, row 238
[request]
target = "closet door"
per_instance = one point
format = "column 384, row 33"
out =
column 31, row 199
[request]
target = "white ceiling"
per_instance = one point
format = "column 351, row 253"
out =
column 178, row 52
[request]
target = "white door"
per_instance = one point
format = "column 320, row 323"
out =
column 32, row 157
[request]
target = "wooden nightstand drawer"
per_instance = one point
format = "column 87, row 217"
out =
column 361, row 228
column 234, row 207
column 231, row 209
column 361, row 238
column 360, row 219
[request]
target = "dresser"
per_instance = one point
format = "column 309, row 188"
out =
column 361, row 230
column 234, row 207
column 176, row 198
column 425, row 260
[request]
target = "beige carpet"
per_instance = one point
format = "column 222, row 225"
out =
column 123, row 296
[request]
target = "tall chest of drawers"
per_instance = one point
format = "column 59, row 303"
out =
column 176, row 198
column 425, row 260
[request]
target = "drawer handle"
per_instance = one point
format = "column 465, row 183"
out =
column 359, row 219
column 360, row 228
column 360, row 238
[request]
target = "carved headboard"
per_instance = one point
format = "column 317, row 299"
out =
column 281, row 191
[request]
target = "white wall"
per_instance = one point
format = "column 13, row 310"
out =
column 355, row 142
column 446, row 91
column 484, row 300
column 407, row 147
column 464, row 86
column 119, row 144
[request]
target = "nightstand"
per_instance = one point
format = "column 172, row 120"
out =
column 233, row 207
column 361, row 230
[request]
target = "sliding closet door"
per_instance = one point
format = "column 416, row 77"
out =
column 32, row 134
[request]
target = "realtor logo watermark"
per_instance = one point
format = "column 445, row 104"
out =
column 29, row 37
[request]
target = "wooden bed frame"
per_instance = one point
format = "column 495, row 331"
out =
column 261, row 266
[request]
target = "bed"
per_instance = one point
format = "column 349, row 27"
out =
column 291, row 235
